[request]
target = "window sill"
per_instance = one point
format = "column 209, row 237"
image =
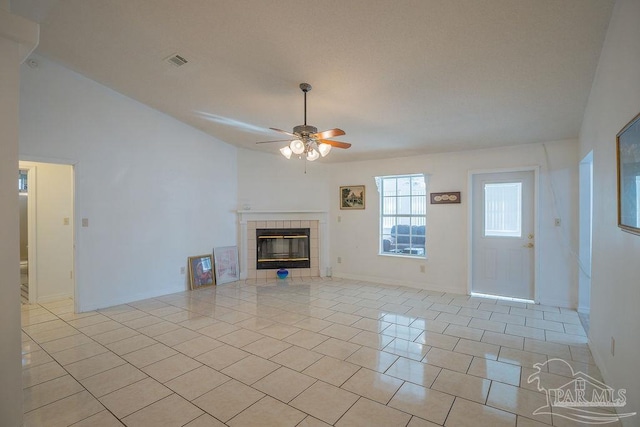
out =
column 420, row 257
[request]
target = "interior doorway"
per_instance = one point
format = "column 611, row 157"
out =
column 47, row 251
column 585, row 245
column 503, row 234
column 23, row 194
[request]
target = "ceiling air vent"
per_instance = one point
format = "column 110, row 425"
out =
column 177, row 60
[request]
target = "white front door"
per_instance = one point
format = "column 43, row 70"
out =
column 503, row 234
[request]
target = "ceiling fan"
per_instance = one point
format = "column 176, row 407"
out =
column 307, row 141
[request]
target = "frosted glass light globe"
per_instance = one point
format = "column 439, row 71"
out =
column 324, row 149
column 286, row 151
column 297, row 146
column 312, row 155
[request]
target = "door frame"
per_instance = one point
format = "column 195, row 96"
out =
column 31, row 218
column 585, row 232
column 536, row 257
column 32, row 261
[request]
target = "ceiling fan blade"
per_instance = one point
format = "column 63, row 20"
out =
column 277, row 140
column 285, row 132
column 331, row 133
column 336, row 144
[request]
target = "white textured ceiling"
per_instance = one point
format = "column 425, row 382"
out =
column 399, row 76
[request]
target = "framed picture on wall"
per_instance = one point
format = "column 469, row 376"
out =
column 352, row 197
column 628, row 149
column 226, row 264
column 200, row 271
column 445, row 198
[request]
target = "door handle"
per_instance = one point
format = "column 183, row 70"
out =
column 528, row 245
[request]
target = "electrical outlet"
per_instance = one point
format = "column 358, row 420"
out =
column 65, row 221
column 339, row 260
column 613, row 346
column 557, row 222
column 339, row 218
column 422, row 269
column 85, row 222
column 181, row 270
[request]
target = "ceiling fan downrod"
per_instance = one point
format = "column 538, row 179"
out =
column 306, row 87
column 305, row 131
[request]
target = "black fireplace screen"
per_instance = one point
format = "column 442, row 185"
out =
column 282, row 248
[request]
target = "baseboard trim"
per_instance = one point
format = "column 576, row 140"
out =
column 83, row 307
column 52, row 298
column 395, row 282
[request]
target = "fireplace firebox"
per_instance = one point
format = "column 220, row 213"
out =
column 282, row 248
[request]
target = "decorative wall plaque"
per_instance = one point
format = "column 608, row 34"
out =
column 443, row 198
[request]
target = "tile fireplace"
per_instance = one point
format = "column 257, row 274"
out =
column 282, row 223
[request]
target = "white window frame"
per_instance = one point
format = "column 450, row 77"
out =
column 387, row 219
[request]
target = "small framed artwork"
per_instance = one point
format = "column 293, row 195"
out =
column 226, row 264
column 352, row 197
column 628, row 149
column 445, row 198
column 200, row 271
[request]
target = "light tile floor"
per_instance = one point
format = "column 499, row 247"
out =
column 298, row 352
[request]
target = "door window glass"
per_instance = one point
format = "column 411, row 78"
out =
column 503, row 209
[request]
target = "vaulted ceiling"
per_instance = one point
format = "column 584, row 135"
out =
column 399, row 76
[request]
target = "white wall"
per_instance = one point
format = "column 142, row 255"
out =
column 16, row 36
column 355, row 237
column 52, row 253
column 615, row 283
column 10, row 392
column 154, row 190
column 271, row 182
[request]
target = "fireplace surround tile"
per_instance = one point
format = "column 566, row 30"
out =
column 250, row 220
column 254, row 274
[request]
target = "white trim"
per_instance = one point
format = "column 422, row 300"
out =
column 57, row 297
column 131, row 298
column 585, row 231
column 28, row 163
column 501, row 298
column 536, row 224
column 32, row 240
column 394, row 282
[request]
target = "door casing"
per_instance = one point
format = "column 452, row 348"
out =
column 536, row 257
column 30, row 163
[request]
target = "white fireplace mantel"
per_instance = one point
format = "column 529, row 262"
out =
column 275, row 215
column 247, row 215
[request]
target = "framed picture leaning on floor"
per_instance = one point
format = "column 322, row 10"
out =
column 226, row 264
column 200, row 271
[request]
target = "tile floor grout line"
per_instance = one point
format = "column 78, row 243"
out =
column 78, row 381
column 407, row 302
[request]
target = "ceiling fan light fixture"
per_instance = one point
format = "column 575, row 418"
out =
column 312, row 155
column 324, row 149
column 297, row 146
column 286, row 151
column 308, row 142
